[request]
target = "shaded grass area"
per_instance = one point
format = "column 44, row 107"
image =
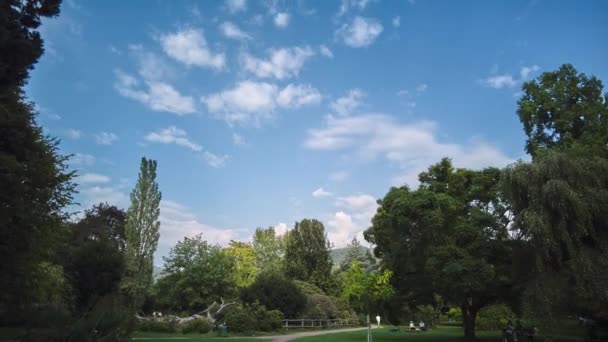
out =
column 173, row 337
column 440, row 334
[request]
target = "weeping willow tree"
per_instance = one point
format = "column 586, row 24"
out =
column 560, row 198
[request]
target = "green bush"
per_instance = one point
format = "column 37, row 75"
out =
column 241, row 319
column 275, row 292
column 275, row 319
column 200, row 325
column 156, row 326
column 494, row 317
column 455, row 315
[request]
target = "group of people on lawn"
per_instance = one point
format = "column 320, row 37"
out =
column 421, row 326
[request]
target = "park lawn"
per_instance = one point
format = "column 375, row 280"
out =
column 440, row 334
column 173, row 337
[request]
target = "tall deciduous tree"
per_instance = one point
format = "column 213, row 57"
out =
column 560, row 198
column 195, row 275
column 245, row 269
column 269, row 249
column 142, row 233
column 307, row 253
column 448, row 237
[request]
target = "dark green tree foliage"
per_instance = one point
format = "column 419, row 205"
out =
column 95, row 263
column 275, row 292
column 559, row 199
column 356, row 252
column 34, row 179
column 20, row 43
column 307, row 254
column 447, row 237
column 195, row 275
column 142, row 233
column 564, row 108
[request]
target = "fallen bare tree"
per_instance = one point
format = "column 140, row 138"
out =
column 210, row 314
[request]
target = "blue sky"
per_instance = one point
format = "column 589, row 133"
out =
column 261, row 113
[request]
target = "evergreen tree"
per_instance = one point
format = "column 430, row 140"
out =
column 142, row 233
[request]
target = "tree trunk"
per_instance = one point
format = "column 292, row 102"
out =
column 469, row 315
column 369, row 329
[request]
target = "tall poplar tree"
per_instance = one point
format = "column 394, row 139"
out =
column 142, row 233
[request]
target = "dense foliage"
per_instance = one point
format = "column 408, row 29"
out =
column 275, row 292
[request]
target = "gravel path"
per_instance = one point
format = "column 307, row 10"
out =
column 291, row 337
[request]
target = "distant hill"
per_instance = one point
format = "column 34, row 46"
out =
column 339, row 254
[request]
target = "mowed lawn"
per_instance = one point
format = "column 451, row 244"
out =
column 441, row 334
column 174, row 337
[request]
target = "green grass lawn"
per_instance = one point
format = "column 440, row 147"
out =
column 441, row 334
column 173, row 337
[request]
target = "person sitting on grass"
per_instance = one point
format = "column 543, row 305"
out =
column 412, row 326
column 422, row 326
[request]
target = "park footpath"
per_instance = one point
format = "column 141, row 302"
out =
column 291, row 337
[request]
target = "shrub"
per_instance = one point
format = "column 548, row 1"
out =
column 275, row 292
column 275, row 319
column 426, row 313
column 156, row 326
column 455, row 315
column 494, row 317
column 200, row 325
column 240, row 319
column 320, row 306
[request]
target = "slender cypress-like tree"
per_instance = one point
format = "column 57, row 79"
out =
column 142, row 233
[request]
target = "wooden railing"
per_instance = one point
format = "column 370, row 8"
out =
column 319, row 323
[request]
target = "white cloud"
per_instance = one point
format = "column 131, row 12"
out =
column 82, row 159
column 320, row 192
column 157, row 96
column 338, row 176
column 214, row 160
column 347, row 5
column 422, row 87
column 363, row 205
column 105, row 138
column 178, row 221
column 255, row 102
column 280, row 229
column 396, row 21
column 173, row 135
column 93, row 178
column 282, row 63
column 73, row 134
column 341, row 229
column 281, row 19
column 355, row 217
column 298, row 95
column 412, row 147
column 230, row 30
column 325, row 51
column 508, row 80
column 190, row 47
column 110, row 194
column 150, row 66
column 347, row 104
column 526, row 71
column 360, row 32
column 238, row 140
column 236, row 5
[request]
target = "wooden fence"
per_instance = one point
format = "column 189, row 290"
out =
column 319, row 323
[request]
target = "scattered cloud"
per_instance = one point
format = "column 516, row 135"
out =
column 236, row 5
column 320, row 192
column 215, row 160
column 105, row 138
column 280, row 229
column 396, row 21
column 325, row 51
column 255, row 102
column 190, row 47
column 156, row 95
column 178, row 221
column 347, row 104
column 73, row 134
column 173, row 135
column 360, row 32
column 110, row 194
column 82, row 159
column 509, row 81
column 338, row 176
column 364, row 205
column 409, row 146
column 282, row 63
column 113, row 49
column 281, row 19
column 348, row 5
column 238, row 140
column 92, row 178
column 341, row 229
column 355, row 217
column 230, row 30
column 422, row 87
column 150, row 66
